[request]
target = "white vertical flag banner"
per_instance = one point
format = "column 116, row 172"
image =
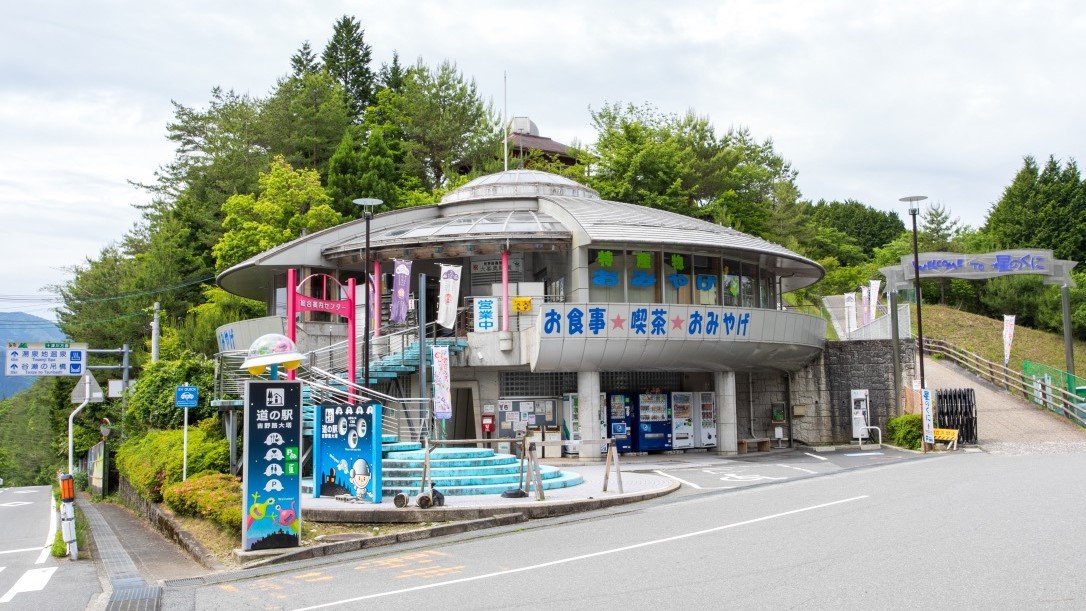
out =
column 442, row 385
column 850, row 312
column 1008, row 336
column 449, row 294
column 865, row 312
column 875, row 285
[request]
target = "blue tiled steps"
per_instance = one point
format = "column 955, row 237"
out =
column 463, row 471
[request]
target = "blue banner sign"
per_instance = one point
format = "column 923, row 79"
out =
column 271, row 491
column 186, row 397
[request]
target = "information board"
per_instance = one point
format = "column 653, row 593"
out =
column 347, row 451
column 46, row 359
column 271, row 490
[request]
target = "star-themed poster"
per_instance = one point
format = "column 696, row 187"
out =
column 271, row 514
column 347, row 451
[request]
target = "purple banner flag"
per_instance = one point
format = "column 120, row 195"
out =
column 401, row 285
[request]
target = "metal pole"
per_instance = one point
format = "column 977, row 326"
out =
column 185, row 447
column 1068, row 345
column 920, row 318
column 424, row 389
column 369, row 304
column 71, row 420
column 155, row 336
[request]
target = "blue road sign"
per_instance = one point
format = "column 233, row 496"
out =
column 186, row 396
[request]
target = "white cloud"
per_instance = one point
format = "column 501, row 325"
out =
column 869, row 101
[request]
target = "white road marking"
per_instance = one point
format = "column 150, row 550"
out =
column 816, row 456
column 16, row 503
column 798, row 469
column 33, row 580
column 584, row 556
column 692, row 484
column 866, row 454
column 44, row 555
column 736, row 477
column 19, row 551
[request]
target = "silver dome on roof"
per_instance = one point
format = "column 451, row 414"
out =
column 519, row 183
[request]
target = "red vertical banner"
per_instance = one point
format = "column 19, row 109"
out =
column 292, row 311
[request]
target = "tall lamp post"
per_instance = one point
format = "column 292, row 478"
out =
column 914, row 209
column 368, row 204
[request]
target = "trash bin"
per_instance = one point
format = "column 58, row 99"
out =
column 552, row 433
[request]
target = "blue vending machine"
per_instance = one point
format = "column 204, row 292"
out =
column 652, row 419
column 620, row 421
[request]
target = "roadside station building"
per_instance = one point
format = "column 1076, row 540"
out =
column 575, row 314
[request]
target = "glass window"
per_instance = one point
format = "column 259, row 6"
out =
column 769, row 288
column 642, row 276
column 606, row 276
column 678, row 285
column 729, row 282
column 748, row 285
column 707, row 280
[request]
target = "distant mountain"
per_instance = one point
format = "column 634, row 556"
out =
column 20, row 327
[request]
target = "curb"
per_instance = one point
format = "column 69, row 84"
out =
column 460, row 520
column 351, row 545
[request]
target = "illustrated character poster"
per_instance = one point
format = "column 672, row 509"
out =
column 347, row 451
column 271, row 491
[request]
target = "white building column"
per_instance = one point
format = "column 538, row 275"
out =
column 588, row 416
column 726, row 419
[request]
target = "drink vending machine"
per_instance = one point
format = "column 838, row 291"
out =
column 620, row 421
column 652, row 419
column 705, row 419
column 571, row 421
column 682, row 420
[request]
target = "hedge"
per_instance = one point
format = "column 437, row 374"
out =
column 153, row 461
column 213, row 496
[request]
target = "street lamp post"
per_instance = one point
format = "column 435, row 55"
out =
column 368, row 204
column 914, row 209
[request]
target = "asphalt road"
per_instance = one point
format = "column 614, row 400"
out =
column 963, row 530
column 29, row 577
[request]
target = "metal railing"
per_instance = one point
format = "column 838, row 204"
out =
column 1037, row 390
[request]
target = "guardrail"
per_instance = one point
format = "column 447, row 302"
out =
column 1056, row 399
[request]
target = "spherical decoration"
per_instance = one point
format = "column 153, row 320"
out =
column 272, row 349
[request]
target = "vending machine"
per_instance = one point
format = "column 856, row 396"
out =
column 682, row 420
column 620, row 421
column 705, row 419
column 571, row 421
column 652, row 420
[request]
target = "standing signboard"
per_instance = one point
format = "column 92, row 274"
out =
column 929, row 420
column 46, row 359
column 347, row 451
column 271, row 490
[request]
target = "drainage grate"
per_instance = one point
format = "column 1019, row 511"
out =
column 185, row 581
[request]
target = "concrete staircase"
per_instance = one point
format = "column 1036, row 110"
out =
column 456, row 471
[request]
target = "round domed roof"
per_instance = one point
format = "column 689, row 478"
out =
column 519, row 183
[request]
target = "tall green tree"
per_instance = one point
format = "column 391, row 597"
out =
column 304, row 61
column 347, row 59
column 291, row 202
column 1042, row 208
column 437, row 126
column 868, row 227
column 305, row 119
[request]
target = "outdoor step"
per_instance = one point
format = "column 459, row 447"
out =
column 566, row 480
column 415, row 470
column 443, row 454
column 400, row 446
column 442, row 480
column 390, row 438
column 497, row 459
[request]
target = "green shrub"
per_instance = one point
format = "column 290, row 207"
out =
column 214, row 496
column 154, row 461
column 906, row 431
column 82, row 480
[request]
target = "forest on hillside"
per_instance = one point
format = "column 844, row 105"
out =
column 251, row 172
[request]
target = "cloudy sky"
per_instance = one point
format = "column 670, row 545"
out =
column 871, row 101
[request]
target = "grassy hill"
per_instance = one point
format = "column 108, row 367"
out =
column 984, row 336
